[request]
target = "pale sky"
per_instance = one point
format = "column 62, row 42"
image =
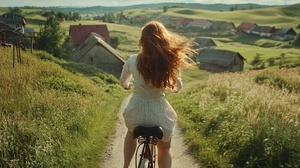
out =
column 84, row 3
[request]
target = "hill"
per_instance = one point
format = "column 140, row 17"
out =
column 99, row 10
column 54, row 113
column 249, row 46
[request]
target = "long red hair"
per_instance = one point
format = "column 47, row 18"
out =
column 162, row 55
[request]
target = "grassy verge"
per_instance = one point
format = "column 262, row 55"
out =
column 248, row 119
column 54, row 113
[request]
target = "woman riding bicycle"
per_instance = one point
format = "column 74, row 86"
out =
column 155, row 69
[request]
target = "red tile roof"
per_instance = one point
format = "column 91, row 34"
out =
column 199, row 21
column 246, row 26
column 182, row 21
column 79, row 33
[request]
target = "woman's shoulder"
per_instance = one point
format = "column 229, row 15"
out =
column 132, row 58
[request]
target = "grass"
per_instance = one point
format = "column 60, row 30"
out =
column 248, row 119
column 54, row 113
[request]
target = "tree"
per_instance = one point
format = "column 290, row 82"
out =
column 256, row 61
column 15, row 10
column 271, row 62
column 60, row 15
column 110, row 18
column 66, row 48
column 114, row 42
column 282, row 60
column 51, row 36
column 296, row 42
column 165, row 9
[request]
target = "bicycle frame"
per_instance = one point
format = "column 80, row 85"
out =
column 147, row 138
column 148, row 152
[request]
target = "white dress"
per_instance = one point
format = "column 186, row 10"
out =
column 147, row 106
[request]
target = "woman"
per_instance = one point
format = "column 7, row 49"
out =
column 155, row 69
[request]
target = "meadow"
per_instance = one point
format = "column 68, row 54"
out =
column 56, row 113
column 248, row 119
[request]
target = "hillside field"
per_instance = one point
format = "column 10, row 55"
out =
column 55, row 113
column 247, row 45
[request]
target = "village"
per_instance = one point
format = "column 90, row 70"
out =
column 92, row 41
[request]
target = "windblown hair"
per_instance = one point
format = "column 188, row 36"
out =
column 162, row 55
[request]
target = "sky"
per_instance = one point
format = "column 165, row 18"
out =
column 85, row 3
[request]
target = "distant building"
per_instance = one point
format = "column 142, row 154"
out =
column 9, row 35
column 204, row 43
column 222, row 25
column 16, row 22
column 263, row 31
column 245, row 27
column 79, row 33
column 96, row 52
column 221, row 61
column 182, row 22
column 199, row 23
column 284, row 34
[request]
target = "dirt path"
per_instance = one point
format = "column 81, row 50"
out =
column 114, row 154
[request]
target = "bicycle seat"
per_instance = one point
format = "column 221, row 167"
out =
column 155, row 131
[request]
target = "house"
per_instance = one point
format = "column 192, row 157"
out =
column 199, row 23
column 96, row 52
column 79, row 33
column 220, row 61
column 222, row 25
column 284, row 34
column 181, row 22
column 263, row 31
column 4, row 26
column 245, row 27
column 16, row 22
column 9, row 35
column 166, row 20
column 141, row 19
column 204, row 43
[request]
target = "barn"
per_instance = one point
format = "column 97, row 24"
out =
column 284, row 34
column 204, row 43
column 220, row 60
column 96, row 52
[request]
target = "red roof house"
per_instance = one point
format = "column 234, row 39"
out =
column 79, row 33
column 245, row 27
column 182, row 22
column 201, row 23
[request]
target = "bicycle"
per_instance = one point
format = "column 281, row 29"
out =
column 147, row 138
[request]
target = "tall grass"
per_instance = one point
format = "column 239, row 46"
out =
column 51, row 114
column 248, row 119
